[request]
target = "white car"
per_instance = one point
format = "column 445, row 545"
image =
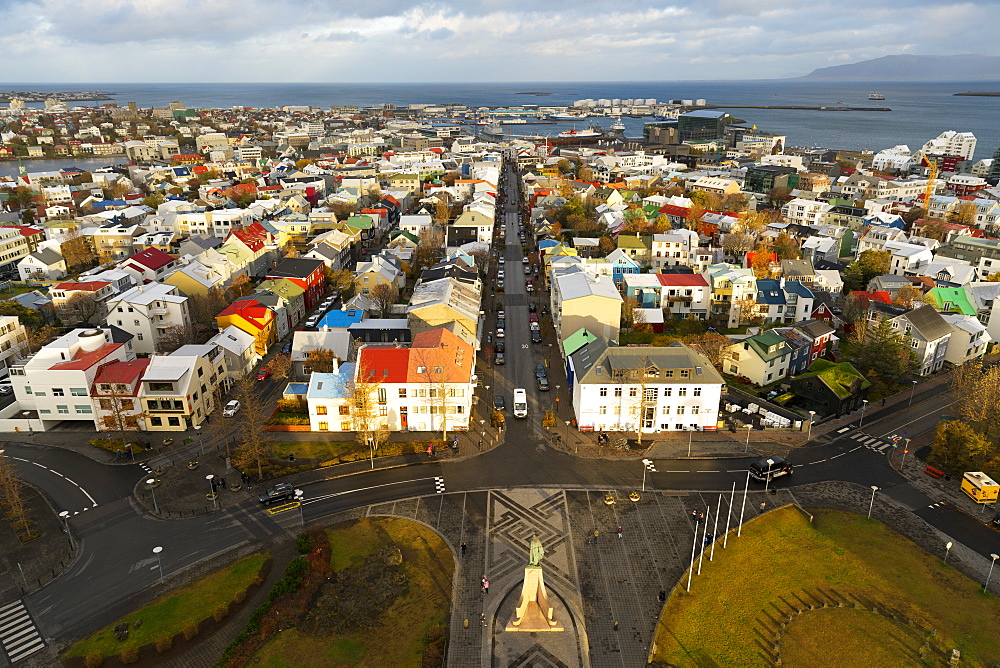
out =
column 500, row 333
column 524, row 260
column 231, row 409
column 501, row 315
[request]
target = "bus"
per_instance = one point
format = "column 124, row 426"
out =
column 520, row 403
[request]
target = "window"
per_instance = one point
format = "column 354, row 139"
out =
column 665, row 410
column 78, row 391
column 618, row 391
column 680, row 410
column 156, row 422
column 174, row 421
column 682, row 391
column 345, row 426
column 83, row 409
column 128, row 404
column 685, row 373
column 633, row 392
column 105, row 404
column 381, row 395
column 58, row 392
column 667, row 391
column 421, row 369
column 651, row 393
column 438, row 369
column 697, row 392
column 402, row 393
column 669, row 373
column 602, row 392
column 324, row 426
column 603, row 410
column 694, row 410
column 62, row 409
column 161, row 387
column 345, row 410
column 321, row 410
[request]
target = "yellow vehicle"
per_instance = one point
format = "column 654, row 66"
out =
column 980, row 487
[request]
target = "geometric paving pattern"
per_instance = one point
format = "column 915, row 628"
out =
column 537, row 657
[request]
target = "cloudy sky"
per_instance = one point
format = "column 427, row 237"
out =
column 471, row 40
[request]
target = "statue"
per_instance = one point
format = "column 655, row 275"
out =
column 533, row 612
column 537, row 552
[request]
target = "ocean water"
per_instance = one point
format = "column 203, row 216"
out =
column 920, row 111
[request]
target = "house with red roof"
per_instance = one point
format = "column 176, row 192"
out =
column 77, row 301
column 149, row 264
column 427, row 386
column 257, row 242
column 55, row 384
column 115, row 392
column 253, row 318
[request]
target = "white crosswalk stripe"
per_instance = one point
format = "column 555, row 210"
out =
column 439, row 484
column 18, row 634
column 871, row 442
column 883, row 447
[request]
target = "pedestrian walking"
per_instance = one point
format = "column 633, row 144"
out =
column 701, row 517
column 596, row 535
column 486, row 585
column 694, row 516
column 619, row 533
column 763, row 506
column 463, row 549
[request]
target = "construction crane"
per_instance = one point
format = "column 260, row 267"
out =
column 932, row 173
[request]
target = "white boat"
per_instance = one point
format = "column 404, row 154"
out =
column 565, row 117
column 617, row 126
column 493, row 130
column 875, row 95
column 579, row 134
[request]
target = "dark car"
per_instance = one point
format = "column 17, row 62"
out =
column 498, row 403
column 277, row 494
column 532, row 308
column 536, row 336
column 501, row 346
column 543, row 383
column 771, row 467
column 540, row 371
column 287, row 348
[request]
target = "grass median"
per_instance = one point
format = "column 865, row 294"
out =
column 783, row 563
column 171, row 613
column 401, row 634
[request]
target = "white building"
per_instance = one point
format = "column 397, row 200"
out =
column 148, row 312
column 952, row 143
column 672, row 388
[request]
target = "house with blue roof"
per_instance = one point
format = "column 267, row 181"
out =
column 328, row 399
column 784, row 301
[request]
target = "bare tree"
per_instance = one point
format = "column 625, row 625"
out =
column 383, row 296
column 320, row 360
column 341, row 282
column 430, row 247
column 11, row 497
column 124, row 413
column 255, row 442
column 81, row 307
column 634, row 384
column 737, row 244
column 482, row 259
column 76, row 251
column 280, row 365
column 431, row 367
column 173, row 338
column 365, row 397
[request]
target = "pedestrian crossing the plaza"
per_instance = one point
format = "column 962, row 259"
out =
column 871, row 442
column 18, row 634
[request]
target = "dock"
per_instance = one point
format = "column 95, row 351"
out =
column 836, row 107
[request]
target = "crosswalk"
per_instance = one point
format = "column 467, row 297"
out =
column 18, row 634
column 439, row 484
column 871, row 442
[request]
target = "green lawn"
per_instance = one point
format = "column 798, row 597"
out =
column 782, row 557
column 322, row 451
column 400, row 638
column 169, row 614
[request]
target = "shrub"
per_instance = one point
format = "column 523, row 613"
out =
column 93, row 660
column 164, row 643
column 190, row 631
column 130, row 655
column 239, row 596
column 302, row 543
column 219, row 612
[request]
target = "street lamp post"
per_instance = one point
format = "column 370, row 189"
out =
column 690, row 438
column 729, row 515
column 739, row 531
column 715, row 529
column 694, row 544
column 812, row 416
column 151, row 482
column 947, row 551
column 906, row 449
column 986, row 585
column 65, row 518
column 912, row 389
column 211, row 486
column 704, row 533
column 159, row 563
column 864, row 405
column 872, row 502
column 647, row 465
column 749, row 429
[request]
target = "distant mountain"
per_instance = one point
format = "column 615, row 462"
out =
column 914, row 68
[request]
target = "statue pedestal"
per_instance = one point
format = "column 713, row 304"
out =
column 533, row 613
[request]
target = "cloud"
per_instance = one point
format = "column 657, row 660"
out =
column 514, row 40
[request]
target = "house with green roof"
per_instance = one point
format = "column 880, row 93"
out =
column 830, row 388
column 637, row 247
column 952, row 300
column 762, row 358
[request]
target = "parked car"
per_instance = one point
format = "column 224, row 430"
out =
column 532, row 308
column 536, row 336
column 527, row 269
column 543, row 384
column 501, row 260
column 533, row 317
column 498, row 403
column 5, row 390
column 540, row 371
column 524, row 260
column 500, row 346
column 264, row 374
column 500, row 323
column 231, row 409
column 279, row 493
column 500, row 333
column 529, row 286
column 770, row 468
column 498, row 359
column 501, row 315
column 534, row 326
column 287, row 348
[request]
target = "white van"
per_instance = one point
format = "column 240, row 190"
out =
column 520, row 403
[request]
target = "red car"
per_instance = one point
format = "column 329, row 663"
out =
column 264, row 374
